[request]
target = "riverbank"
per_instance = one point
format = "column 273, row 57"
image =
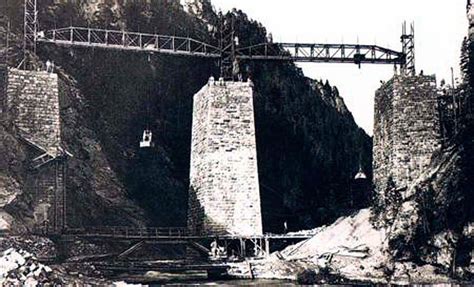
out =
column 349, row 251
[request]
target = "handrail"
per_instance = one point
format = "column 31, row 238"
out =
column 116, row 39
column 127, row 231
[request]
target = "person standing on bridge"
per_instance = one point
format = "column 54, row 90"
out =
column 214, row 248
column 236, row 75
column 48, row 66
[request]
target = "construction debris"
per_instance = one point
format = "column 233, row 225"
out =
column 21, row 268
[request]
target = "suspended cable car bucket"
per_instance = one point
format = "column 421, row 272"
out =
column 146, row 139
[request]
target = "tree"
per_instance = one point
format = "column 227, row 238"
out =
column 105, row 16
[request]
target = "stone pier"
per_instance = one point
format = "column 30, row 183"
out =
column 33, row 106
column 406, row 130
column 30, row 101
column 224, row 196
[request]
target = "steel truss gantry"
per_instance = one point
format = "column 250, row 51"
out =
column 408, row 48
column 228, row 52
column 296, row 52
column 132, row 41
column 329, row 53
column 30, row 27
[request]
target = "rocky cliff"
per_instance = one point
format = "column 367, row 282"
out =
column 95, row 196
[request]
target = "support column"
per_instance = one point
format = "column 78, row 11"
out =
column 242, row 248
column 32, row 104
column 406, row 130
column 267, row 246
column 224, row 195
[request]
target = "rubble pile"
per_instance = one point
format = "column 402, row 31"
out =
column 21, row 268
column 42, row 247
column 81, row 250
column 350, row 250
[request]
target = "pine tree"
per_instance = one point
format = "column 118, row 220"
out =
column 105, row 16
column 467, row 72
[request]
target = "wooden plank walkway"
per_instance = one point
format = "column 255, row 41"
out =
column 179, row 234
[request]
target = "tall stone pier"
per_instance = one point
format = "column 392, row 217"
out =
column 406, row 130
column 30, row 102
column 224, row 196
column 33, row 106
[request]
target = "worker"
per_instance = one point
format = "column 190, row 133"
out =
column 214, row 248
column 285, row 226
column 270, row 38
column 48, row 66
column 236, row 70
column 45, row 227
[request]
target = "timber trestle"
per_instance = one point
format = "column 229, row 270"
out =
column 232, row 245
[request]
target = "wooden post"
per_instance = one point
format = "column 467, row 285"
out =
column 226, row 246
column 267, row 246
column 242, row 247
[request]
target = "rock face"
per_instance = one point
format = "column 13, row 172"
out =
column 11, row 175
column 44, row 112
column 406, row 130
column 224, row 189
column 95, row 194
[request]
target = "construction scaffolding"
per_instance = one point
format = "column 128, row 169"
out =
column 30, row 28
column 408, row 49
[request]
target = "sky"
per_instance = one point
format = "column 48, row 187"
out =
column 440, row 26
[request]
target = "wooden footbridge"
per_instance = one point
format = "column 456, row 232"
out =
column 162, row 233
column 197, row 249
column 135, row 237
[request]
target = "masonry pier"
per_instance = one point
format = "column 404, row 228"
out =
column 406, row 130
column 224, row 196
column 30, row 102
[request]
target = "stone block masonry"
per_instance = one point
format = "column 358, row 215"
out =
column 31, row 103
column 33, row 106
column 224, row 195
column 406, row 130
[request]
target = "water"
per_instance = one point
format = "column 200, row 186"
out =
column 258, row 282
column 195, row 278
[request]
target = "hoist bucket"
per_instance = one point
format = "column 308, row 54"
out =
column 146, row 139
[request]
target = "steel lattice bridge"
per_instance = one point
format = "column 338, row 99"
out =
column 153, row 43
